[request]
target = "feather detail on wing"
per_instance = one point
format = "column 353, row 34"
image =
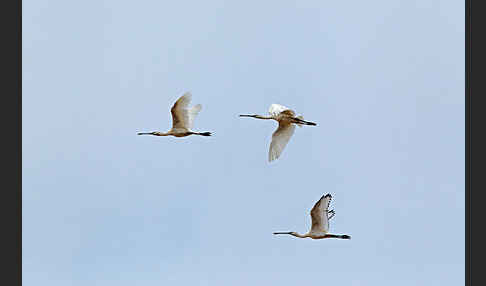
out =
column 280, row 138
column 319, row 215
column 191, row 114
column 182, row 116
column 276, row 109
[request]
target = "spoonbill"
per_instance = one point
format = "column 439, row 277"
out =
column 320, row 216
column 182, row 119
column 286, row 119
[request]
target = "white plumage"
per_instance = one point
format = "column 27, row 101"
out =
column 182, row 119
column 320, row 216
column 182, row 116
column 286, row 126
column 280, row 138
column 275, row 109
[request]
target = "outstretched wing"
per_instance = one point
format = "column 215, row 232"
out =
column 280, row 138
column 319, row 215
column 276, row 109
column 191, row 115
column 182, row 116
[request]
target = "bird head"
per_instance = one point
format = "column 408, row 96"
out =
column 148, row 133
column 284, row 232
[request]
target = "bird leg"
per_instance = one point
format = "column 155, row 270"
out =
column 202, row 133
column 298, row 120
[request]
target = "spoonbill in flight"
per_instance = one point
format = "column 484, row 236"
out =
column 286, row 119
column 320, row 216
column 182, row 119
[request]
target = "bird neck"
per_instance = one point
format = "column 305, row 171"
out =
column 263, row 117
column 161, row 134
column 296, row 234
column 257, row 116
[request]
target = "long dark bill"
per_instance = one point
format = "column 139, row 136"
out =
column 288, row 232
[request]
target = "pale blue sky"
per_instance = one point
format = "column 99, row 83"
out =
column 384, row 80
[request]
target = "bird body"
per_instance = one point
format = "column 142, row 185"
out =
column 286, row 126
column 320, row 216
column 182, row 119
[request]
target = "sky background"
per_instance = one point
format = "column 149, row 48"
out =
column 384, row 80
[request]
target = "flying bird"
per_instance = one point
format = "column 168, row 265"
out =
column 320, row 216
column 286, row 126
column 182, row 119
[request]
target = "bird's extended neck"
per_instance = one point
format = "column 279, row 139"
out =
column 296, row 234
column 256, row 116
column 293, row 233
column 154, row 133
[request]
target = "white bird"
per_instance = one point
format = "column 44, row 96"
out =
column 182, row 119
column 320, row 216
column 286, row 119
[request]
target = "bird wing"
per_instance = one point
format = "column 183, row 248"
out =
column 191, row 115
column 319, row 214
column 276, row 109
column 182, row 116
column 280, row 138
